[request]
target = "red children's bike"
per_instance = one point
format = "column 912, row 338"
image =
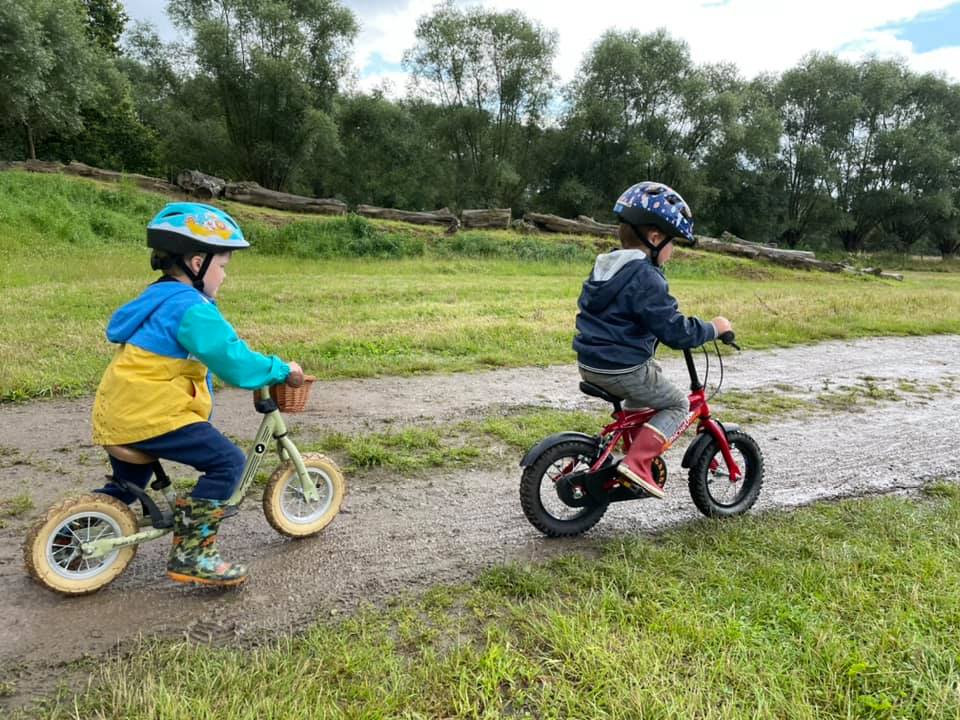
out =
column 570, row 478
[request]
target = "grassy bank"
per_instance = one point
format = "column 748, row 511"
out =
column 843, row 610
column 350, row 298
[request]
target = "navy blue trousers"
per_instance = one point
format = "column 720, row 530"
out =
column 199, row 445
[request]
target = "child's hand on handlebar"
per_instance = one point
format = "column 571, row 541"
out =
column 722, row 325
column 295, row 378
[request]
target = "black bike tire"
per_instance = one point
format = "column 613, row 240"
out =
column 752, row 477
column 530, row 501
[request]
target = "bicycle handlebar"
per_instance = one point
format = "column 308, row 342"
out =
column 727, row 338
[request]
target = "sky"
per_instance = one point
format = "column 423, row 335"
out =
column 755, row 35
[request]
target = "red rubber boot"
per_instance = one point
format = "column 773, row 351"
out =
column 636, row 466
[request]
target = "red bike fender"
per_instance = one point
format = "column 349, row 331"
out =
column 700, row 443
column 548, row 442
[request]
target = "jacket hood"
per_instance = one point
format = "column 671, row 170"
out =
column 610, row 274
column 130, row 317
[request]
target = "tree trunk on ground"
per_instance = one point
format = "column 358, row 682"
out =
column 143, row 181
column 254, row 194
column 44, row 166
column 498, row 218
column 198, row 184
column 797, row 259
column 764, row 250
column 438, row 217
column 581, row 226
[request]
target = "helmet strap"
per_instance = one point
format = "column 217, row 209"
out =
column 196, row 277
column 654, row 249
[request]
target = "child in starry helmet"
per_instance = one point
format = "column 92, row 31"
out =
column 626, row 310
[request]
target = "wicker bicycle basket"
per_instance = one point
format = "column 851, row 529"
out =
column 292, row 400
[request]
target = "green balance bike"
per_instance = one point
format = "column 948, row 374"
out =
column 83, row 543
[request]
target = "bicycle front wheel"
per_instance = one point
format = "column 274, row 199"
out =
column 287, row 509
column 714, row 494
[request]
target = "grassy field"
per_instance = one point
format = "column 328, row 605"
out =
column 347, row 297
column 844, row 610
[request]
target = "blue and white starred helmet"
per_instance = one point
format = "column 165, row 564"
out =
column 653, row 203
column 187, row 227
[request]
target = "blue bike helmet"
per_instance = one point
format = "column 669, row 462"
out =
column 653, row 203
column 184, row 228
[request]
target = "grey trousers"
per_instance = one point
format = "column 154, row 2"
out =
column 646, row 387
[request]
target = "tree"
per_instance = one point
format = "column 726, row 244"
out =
column 865, row 159
column 52, row 68
column 105, row 22
column 818, row 104
column 273, row 68
column 491, row 74
column 741, row 180
column 639, row 109
column 112, row 135
column 389, row 156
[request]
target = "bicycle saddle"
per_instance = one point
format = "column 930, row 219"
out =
column 598, row 392
column 129, row 454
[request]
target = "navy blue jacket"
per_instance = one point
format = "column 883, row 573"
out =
column 625, row 309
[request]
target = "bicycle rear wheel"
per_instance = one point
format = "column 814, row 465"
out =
column 52, row 554
column 543, row 505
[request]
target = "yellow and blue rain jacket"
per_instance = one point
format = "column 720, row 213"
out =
column 159, row 380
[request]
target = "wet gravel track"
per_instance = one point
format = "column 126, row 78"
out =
column 399, row 534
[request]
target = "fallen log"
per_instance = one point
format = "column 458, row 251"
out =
column 439, row 217
column 201, row 185
column 42, row 166
column 729, row 237
column 143, row 181
column 82, row 170
column 581, row 226
column 799, row 260
column 252, row 193
column 496, row 218
column 788, row 258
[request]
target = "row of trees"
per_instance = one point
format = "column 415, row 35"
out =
column 856, row 155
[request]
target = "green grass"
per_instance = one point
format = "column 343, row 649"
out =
column 408, row 449
column 843, row 610
column 347, row 297
column 523, row 429
column 15, row 506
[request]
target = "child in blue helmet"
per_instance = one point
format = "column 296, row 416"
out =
column 156, row 395
column 625, row 310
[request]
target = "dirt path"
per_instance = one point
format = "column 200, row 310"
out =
column 404, row 534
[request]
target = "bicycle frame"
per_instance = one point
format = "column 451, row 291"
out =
column 272, row 426
column 627, row 421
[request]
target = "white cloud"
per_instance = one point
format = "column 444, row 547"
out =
column 755, row 35
column 392, row 84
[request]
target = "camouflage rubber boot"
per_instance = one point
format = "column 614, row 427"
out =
column 194, row 557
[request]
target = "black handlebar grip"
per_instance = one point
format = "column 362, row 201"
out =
column 727, row 338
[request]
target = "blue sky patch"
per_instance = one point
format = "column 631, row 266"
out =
column 930, row 30
column 376, row 65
